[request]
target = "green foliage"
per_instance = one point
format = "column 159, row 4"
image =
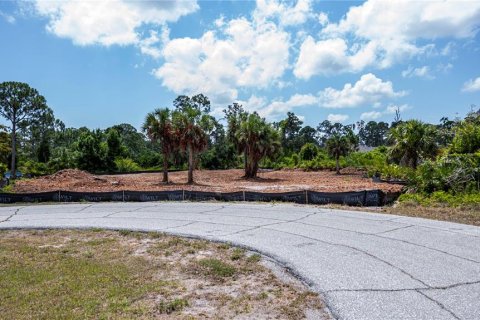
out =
column 341, row 143
column 413, row 141
column 34, row 168
column 289, row 132
column 467, row 138
column 160, row 129
column 126, row 165
column 454, row 173
column 442, row 198
column 308, row 152
column 3, row 169
column 193, row 125
column 63, row 158
column 258, row 139
column 21, row 106
column 373, row 134
column 91, row 152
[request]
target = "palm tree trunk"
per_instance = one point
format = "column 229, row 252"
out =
column 245, row 162
column 165, row 168
column 190, row 165
column 254, row 169
column 337, row 164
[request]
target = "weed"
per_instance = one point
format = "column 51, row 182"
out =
column 217, row 268
column 172, row 306
column 254, row 258
column 237, row 254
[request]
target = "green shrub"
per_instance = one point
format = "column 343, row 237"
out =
column 34, row 168
column 441, row 198
column 3, row 169
column 126, row 165
column 308, row 152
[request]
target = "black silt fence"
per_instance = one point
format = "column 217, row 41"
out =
column 145, row 196
column 29, row 197
column 297, row 196
column 360, row 198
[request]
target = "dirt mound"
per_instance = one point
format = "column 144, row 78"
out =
column 69, row 174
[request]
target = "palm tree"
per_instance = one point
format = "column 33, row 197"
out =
column 412, row 141
column 192, row 123
column 341, row 144
column 258, row 140
column 159, row 128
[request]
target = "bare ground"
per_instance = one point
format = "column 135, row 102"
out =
column 206, row 180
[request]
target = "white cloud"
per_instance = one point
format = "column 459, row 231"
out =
column 337, row 117
column 369, row 89
column 392, row 109
column 381, row 33
column 471, row 85
column 372, row 115
column 150, row 46
column 323, row 57
column 286, row 14
column 280, row 108
column 9, row 18
column 244, row 54
column 444, row 68
column 112, row 22
column 323, row 19
column 420, row 72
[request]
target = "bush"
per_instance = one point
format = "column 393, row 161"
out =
column 126, row 165
column 453, row 173
column 467, row 138
column 441, row 198
column 3, row 169
column 33, row 168
column 308, row 152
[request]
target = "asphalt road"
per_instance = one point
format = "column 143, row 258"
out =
column 366, row 266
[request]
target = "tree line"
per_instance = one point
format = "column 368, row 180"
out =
column 185, row 135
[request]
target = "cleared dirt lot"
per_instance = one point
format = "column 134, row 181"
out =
column 206, row 180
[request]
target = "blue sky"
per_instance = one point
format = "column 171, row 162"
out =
column 100, row 63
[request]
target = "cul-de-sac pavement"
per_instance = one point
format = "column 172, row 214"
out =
column 365, row 265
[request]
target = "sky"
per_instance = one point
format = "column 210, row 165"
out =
column 100, row 63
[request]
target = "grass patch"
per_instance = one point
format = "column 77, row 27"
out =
column 216, row 268
column 237, row 254
column 172, row 306
column 94, row 274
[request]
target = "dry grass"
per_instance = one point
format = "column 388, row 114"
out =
column 465, row 215
column 96, row 274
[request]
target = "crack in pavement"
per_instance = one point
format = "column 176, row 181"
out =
column 378, row 235
column 84, row 208
column 268, row 224
column 452, row 286
column 358, row 250
column 12, row 215
column 440, row 305
column 399, row 228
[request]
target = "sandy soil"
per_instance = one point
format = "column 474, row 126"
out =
column 206, row 180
